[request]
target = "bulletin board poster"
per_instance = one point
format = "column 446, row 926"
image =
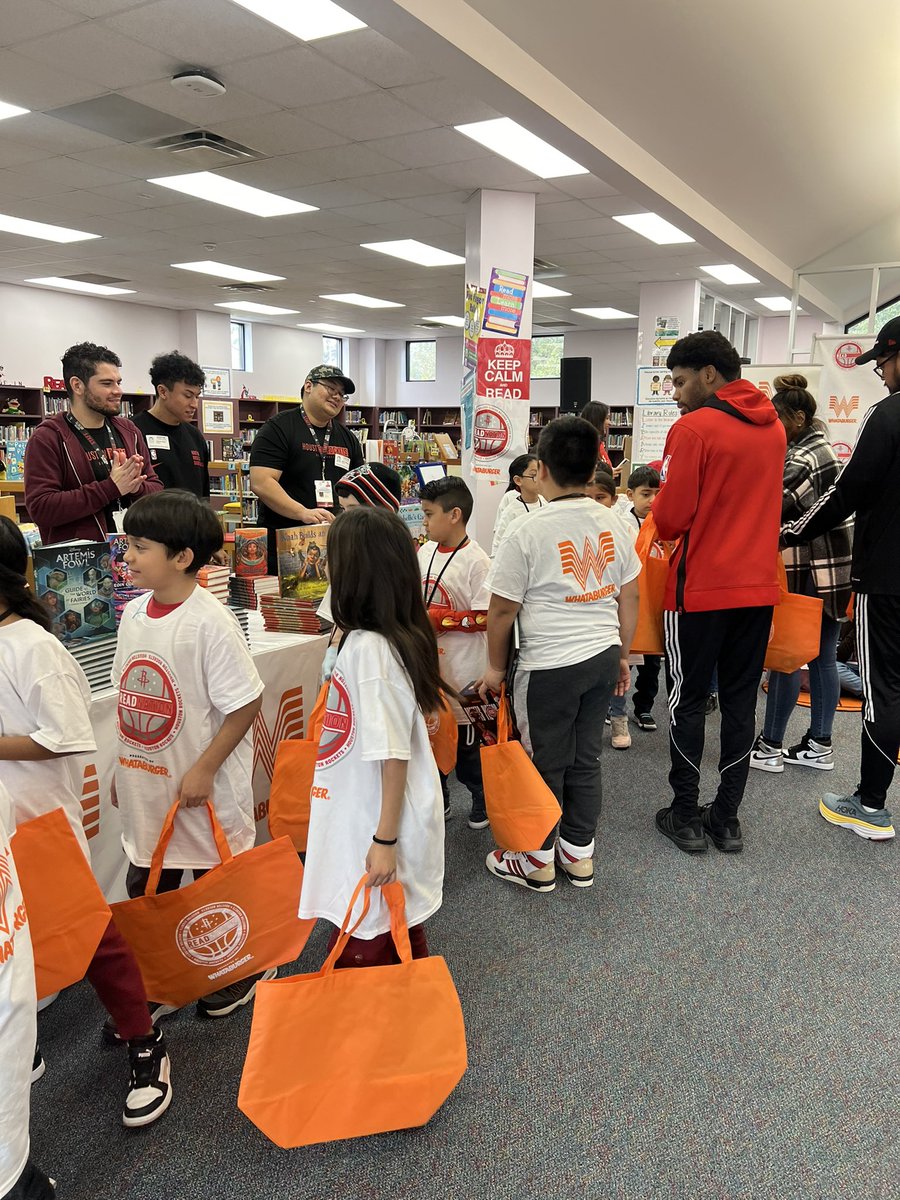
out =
column 655, row 412
column 666, row 333
column 467, row 406
column 474, row 314
column 846, row 392
column 218, row 381
column 505, row 302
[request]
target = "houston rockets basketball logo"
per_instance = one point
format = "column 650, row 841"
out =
column 151, row 710
column 846, row 354
column 213, row 934
column 580, row 566
column 5, row 889
column 491, row 435
column 339, row 727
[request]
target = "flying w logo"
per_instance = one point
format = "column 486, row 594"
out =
column 590, row 559
column 90, row 802
column 288, row 725
column 844, row 407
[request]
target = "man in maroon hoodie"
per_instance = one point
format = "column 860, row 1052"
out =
column 721, row 499
column 83, row 467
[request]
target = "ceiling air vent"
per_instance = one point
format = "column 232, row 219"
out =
column 244, row 289
column 554, row 325
column 546, row 270
column 200, row 145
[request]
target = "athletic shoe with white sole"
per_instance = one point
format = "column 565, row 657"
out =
column 578, row 871
column 646, row 722
column 236, row 995
column 767, row 758
column 38, row 1066
column 621, row 738
column 810, row 753
column 873, row 824
column 157, row 1012
column 149, row 1092
column 522, row 869
column 478, row 818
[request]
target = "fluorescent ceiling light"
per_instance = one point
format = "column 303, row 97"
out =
column 11, row 110
column 37, row 229
column 205, row 185
column 224, row 271
column 308, row 20
column 729, row 273
column 459, row 321
column 775, row 303
column 76, row 285
column 540, row 290
column 415, row 252
column 654, row 228
column 606, row 314
column 324, row 327
column 267, row 310
column 513, row 141
column 362, row 301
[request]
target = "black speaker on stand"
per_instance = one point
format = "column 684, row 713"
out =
column 574, row 384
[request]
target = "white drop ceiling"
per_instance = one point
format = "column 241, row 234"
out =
column 353, row 124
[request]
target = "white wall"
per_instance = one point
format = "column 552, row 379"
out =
column 613, row 358
column 772, row 346
column 281, row 359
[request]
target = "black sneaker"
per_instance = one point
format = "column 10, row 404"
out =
column 645, row 721
column 236, row 995
column 712, row 702
column 38, row 1066
column 478, row 818
column 687, row 837
column 157, row 1011
column 149, row 1092
column 728, row 837
column 32, row 1184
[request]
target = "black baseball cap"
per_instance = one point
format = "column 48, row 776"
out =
column 887, row 342
column 323, row 373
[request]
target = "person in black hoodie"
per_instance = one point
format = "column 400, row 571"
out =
column 867, row 486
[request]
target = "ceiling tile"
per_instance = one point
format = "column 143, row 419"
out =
column 439, row 205
column 206, row 32
column 430, row 148
column 13, row 154
column 198, row 112
column 366, row 53
column 381, row 212
column 445, row 102
column 491, row 172
column 280, row 133
column 37, row 18
column 98, row 8
column 296, row 77
column 52, row 136
column 125, row 62
column 22, row 84
column 373, row 115
column 400, row 185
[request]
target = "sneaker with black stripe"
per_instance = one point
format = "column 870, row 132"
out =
column 523, row 869
column 156, row 1010
column 150, row 1091
column 810, row 753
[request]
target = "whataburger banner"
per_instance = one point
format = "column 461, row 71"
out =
column 846, row 391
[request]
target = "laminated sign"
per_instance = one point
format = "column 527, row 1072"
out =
column 504, row 369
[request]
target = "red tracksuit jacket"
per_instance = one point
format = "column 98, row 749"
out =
column 721, row 496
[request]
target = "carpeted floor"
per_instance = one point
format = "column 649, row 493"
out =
column 723, row 1027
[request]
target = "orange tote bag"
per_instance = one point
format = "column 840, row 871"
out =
column 520, row 807
column 443, row 733
column 796, row 629
column 238, row 919
column 349, row 1053
column 292, row 779
column 67, row 914
column 648, row 633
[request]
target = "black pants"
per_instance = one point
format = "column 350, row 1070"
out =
column 560, row 714
column 137, row 878
column 878, row 644
column 468, row 764
column 646, row 684
column 32, row 1184
column 733, row 640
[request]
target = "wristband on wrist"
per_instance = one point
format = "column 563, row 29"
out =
column 384, row 841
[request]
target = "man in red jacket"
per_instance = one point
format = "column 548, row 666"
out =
column 83, row 467
column 721, row 499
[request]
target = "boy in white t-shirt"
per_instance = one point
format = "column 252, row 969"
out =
column 569, row 573
column 188, row 696
column 454, row 569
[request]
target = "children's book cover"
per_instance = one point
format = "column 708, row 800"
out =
column 301, row 561
column 74, row 580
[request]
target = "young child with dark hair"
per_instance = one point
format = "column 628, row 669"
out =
column 372, row 484
column 602, row 486
column 453, row 570
column 376, row 799
column 522, row 496
column 188, row 695
column 569, row 574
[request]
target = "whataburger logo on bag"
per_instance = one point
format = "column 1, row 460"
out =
column 590, row 560
column 213, row 936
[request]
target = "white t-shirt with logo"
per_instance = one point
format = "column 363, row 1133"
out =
column 510, row 514
column 18, row 1007
column 565, row 564
column 372, row 716
column 457, row 582
column 179, row 676
column 44, row 695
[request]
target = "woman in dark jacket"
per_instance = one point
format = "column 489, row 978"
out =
column 819, row 568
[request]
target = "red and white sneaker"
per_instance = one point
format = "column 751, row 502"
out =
column 578, row 871
column 524, row 869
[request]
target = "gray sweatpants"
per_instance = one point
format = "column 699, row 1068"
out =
column 560, row 714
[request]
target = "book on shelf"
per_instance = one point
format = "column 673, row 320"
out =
column 74, row 580
column 301, row 561
column 14, row 457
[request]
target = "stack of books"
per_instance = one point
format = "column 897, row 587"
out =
column 243, row 619
column 215, row 580
column 95, row 657
column 250, row 551
column 288, row 614
column 245, row 591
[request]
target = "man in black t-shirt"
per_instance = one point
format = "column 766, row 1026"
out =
column 298, row 457
column 178, row 450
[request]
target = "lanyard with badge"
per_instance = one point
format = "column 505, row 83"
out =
column 324, row 490
column 429, row 597
column 99, row 458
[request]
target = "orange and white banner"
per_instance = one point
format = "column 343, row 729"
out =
column 846, row 391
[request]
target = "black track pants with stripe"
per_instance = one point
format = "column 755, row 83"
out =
column 878, row 647
column 732, row 640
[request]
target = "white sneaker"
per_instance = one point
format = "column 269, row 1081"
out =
column 621, row 738
column 522, row 869
column 809, row 753
column 766, row 757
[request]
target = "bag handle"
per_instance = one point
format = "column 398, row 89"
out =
column 396, row 902
column 504, row 720
column 159, row 854
column 317, row 716
column 346, row 934
column 647, row 535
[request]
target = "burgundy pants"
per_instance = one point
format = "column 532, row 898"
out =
column 116, row 978
column 378, row 951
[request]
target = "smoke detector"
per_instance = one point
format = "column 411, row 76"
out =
column 201, row 83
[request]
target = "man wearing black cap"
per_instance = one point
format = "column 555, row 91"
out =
column 298, row 457
column 868, row 487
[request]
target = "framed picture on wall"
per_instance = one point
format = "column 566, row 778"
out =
column 217, row 416
column 218, row 381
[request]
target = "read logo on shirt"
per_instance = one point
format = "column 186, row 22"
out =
column 339, row 726
column 150, row 710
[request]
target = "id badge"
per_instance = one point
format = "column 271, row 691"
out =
column 324, row 494
column 342, row 462
column 119, row 519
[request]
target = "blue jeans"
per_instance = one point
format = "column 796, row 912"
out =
column 848, row 675
column 824, row 687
